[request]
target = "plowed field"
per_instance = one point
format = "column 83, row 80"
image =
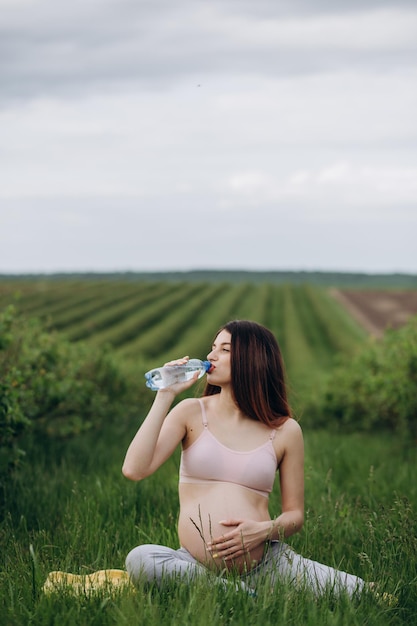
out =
column 378, row 310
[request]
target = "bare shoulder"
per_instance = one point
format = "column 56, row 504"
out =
column 289, row 438
column 291, row 428
column 186, row 409
column 182, row 417
column 188, row 413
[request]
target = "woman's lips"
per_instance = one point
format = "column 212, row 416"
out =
column 212, row 368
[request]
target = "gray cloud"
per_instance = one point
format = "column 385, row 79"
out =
column 52, row 48
column 230, row 133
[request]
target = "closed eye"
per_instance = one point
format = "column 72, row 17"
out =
column 224, row 346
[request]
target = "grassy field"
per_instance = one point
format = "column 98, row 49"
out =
column 147, row 323
column 69, row 508
column 72, row 505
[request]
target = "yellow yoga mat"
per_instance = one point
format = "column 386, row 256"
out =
column 105, row 579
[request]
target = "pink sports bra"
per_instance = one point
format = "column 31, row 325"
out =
column 208, row 461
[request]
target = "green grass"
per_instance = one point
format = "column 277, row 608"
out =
column 144, row 321
column 72, row 505
column 148, row 323
column 69, row 508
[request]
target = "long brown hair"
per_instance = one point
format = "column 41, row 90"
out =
column 257, row 372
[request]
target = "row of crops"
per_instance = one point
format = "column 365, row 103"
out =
column 147, row 323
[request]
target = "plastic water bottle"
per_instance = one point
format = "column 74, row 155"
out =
column 168, row 375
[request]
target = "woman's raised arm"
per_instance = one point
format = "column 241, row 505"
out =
column 160, row 433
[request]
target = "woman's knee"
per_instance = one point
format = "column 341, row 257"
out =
column 141, row 562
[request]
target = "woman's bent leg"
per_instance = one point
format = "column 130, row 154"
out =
column 281, row 563
column 153, row 563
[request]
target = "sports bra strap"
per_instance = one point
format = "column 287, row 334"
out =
column 203, row 413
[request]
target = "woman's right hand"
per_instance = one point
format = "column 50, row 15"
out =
column 178, row 388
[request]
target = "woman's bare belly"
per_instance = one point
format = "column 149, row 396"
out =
column 202, row 507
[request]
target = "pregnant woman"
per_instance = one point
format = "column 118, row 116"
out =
column 234, row 441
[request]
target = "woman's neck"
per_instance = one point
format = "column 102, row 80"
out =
column 227, row 405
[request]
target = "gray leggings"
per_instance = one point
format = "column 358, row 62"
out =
column 153, row 563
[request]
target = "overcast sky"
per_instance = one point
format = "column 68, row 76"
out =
column 185, row 134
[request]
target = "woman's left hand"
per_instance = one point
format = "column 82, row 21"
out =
column 246, row 535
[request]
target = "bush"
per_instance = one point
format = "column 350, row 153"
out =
column 49, row 386
column 376, row 389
